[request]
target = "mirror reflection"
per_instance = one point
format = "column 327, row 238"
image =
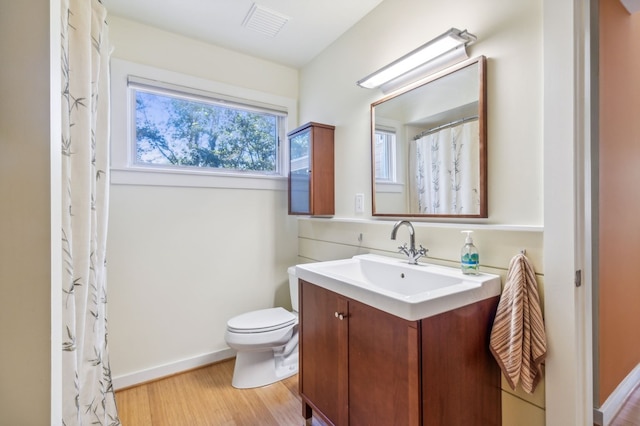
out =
column 429, row 146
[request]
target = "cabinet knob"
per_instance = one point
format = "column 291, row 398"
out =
column 340, row 316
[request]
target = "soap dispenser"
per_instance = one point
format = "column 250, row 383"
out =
column 469, row 258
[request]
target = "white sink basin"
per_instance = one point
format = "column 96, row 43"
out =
column 393, row 285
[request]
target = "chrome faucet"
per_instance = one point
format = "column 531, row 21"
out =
column 411, row 252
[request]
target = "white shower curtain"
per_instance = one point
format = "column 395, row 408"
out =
column 445, row 171
column 88, row 396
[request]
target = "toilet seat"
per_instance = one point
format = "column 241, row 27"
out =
column 262, row 321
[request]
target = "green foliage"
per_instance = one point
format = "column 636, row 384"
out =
column 189, row 133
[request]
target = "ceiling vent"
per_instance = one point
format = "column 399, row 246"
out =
column 264, row 21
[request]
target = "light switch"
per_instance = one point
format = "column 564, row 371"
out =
column 359, row 203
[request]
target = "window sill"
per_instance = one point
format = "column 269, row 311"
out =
column 181, row 178
column 391, row 187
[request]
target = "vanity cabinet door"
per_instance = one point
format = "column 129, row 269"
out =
column 384, row 370
column 311, row 170
column 461, row 380
column 323, row 353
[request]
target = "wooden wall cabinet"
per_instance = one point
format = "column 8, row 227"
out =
column 311, row 170
column 363, row 366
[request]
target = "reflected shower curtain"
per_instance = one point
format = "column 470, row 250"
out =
column 88, row 396
column 444, row 172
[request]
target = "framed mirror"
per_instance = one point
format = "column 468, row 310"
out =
column 429, row 146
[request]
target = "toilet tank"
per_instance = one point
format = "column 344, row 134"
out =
column 293, row 287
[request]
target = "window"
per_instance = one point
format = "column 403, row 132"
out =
column 176, row 128
column 148, row 168
column 385, row 141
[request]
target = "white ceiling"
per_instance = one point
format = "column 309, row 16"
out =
column 313, row 24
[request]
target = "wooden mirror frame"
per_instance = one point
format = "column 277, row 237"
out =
column 482, row 128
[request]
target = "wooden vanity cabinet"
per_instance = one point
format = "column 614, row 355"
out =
column 384, row 369
column 363, row 366
column 358, row 365
column 460, row 378
column 323, row 353
column 311, row 170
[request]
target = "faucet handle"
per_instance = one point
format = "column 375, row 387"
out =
column 403, row 249
column 417, row 254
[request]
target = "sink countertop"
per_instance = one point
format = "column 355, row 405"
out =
column 411, row 292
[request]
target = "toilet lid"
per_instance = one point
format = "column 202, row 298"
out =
column 261, row 321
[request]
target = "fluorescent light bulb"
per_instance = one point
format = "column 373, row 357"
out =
column 427, row 52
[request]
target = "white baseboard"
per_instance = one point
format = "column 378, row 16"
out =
column 155, row 373
column 612, row 405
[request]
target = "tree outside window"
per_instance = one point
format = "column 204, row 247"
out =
column 174, row 130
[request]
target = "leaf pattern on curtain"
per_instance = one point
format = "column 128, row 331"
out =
column 445, row 177
column 88, row 397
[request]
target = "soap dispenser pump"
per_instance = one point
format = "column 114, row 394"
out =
column 469, row 257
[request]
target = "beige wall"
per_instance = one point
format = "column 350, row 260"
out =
column 510, row 35
column 183, row 260
column 619, row 292
column 149, row 46
column 25, row 215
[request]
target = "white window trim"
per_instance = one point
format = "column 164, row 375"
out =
column 389, row 187
column 123, row 170
column 393, row 165
column 394, row 185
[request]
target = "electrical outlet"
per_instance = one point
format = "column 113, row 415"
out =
column 359, row 203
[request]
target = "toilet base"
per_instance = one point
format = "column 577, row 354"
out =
column 260, row 368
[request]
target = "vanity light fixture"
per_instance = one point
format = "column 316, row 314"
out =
column 435, row 55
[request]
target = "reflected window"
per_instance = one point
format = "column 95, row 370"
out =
column 385, row 159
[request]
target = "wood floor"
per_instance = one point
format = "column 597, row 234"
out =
column 205, row 397
column 629, row 414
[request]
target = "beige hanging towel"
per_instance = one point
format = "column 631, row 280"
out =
column 518, row 340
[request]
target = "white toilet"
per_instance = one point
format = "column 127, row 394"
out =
column 266, row 342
